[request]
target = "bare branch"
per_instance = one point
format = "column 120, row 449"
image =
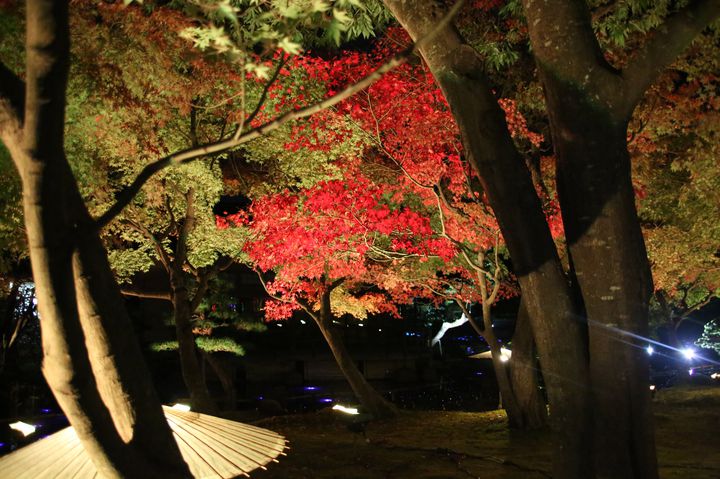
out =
column 263, row 96
column 190, row 154
column 164, row 295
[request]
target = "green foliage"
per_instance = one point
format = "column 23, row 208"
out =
column 710, row 338
column 13, row 245
column 220, row 308
column 204, row 343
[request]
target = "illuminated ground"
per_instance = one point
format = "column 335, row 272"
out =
column 446, row 445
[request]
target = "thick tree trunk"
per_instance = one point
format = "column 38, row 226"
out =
column 613, row 274
column 524, row 375
column 507, row 182
column 91, row 359
column 189, row 364
column 371, row 401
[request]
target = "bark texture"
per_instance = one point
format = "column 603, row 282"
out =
column 92, row 361
column 370, row 399
column 509, row 187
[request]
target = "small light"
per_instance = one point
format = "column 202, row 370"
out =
column 689, row 353
column 379, row 330
column 652, row 387
column 279, row 325
column 715, row 375
column 346, row 410
column 311, row 388
column 504, row 358
column 691, row 372
column 181, row 407
column 302, row 321
column 45, row 411
column 24, row 428
column 361, row 325
column 325, row 400
column 650, row 350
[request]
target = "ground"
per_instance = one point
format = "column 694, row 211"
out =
column 447, row 445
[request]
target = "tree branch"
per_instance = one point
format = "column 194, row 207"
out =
column 263, row 96
column 670, row 39
column 139, row 293
column 190, row 154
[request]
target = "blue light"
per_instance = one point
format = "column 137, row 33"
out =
column 46, row 410
column 311, row 388
column 260, row 398
column 325, row 400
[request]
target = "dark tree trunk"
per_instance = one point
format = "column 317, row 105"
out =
column 508, row 401
column 371, row 401
column 226, row 375
column 613, row 274
column 187, row 350
column 507, row 182
column 524, row 374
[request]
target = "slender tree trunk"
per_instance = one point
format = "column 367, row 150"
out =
column 371, row 401
column 507, row 182
column 508, row 401
column 226, row 374
column 189, row 364
column 524, row 375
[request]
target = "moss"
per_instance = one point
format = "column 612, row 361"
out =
column 438, row 444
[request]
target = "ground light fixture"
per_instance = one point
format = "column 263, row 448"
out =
column 180, row 407
column 347, row 410
column 24, row 428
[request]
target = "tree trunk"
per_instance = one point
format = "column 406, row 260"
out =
column 371, row 401
column 226, row 374
column 524, row 375
column 559, row 336
column 507, row 395
column 613, row 274
column 189, row 364
column 92, row 361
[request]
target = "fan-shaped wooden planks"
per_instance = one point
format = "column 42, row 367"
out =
column 211, row 446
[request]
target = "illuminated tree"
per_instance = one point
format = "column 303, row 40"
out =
column 589, row 105
column 92, row 360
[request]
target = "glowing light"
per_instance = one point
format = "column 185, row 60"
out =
column 689, row 353
column 691, row 372
column 715, row 375
column 379, row 330
column 279, row 325
column 311, row 388
column 346, row 410
column 361, row 325
column 650, row 350
column 24, row 428
column 180, row 407
column 302, row 321
column 325, row 400
column 652, row 387
column 505, row 355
